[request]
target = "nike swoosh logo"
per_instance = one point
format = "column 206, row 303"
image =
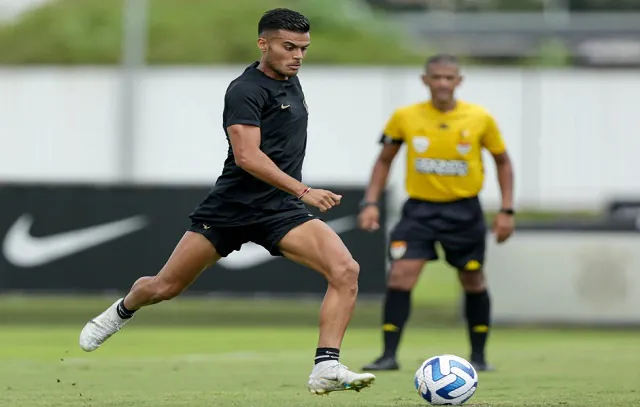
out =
column 251, row 254
column 23, row 250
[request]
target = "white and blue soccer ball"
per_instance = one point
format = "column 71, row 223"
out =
column 446, row 380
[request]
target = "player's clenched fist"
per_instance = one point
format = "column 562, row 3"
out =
column 321, row 199
column 369, row 218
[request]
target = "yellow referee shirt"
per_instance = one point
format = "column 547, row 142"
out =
column 444, row 149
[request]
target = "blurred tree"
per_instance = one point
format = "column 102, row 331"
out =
column 64, row 32
column 198, row 32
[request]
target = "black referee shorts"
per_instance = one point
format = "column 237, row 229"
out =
column 267, row 231
column 458, row 226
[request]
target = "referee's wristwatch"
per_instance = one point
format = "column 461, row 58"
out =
column 365, row 203
column 508, row 211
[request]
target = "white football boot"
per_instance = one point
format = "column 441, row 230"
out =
column 101, row 328
column 331, row 375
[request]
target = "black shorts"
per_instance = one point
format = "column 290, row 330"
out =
column 458, row 226
column 267, row 231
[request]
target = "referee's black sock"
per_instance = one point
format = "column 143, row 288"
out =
column 478, row 314
column 123, row 312
column 397, row 307
column 325, row 354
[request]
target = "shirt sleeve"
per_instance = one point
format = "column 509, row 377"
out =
column 393, row 132
column 492, row 138
column 243, row 104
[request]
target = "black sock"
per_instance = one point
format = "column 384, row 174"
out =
column 478, row 314
column 325, row 354
column 123, row 312
column 397, row 307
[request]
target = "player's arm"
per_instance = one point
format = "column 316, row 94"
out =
column 505, row 178
column 391, row 141
column 494, row 142
column 245, row 142
column 380, row 172
column 243, row 106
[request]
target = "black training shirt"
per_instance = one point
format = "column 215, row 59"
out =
column 278, row 107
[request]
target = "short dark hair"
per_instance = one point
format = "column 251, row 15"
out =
column 441, row 59
column 283, row 19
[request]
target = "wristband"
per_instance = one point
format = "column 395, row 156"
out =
column 306, row 191
column 364, row 204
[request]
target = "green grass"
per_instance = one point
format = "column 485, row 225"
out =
column 197, row 352
column 166, row 366
column 435, row 300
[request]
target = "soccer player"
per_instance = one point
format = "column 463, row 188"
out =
column 444, row 138
column 259, row 197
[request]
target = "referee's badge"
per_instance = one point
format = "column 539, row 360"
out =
column 420, row 143
column 397, row 249
column 464, row 147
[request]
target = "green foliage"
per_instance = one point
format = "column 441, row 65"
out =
column 196, row 32
column 65, row 32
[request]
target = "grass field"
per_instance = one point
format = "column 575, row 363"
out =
column 223, row 352
column 267, row 367
column 435, row 299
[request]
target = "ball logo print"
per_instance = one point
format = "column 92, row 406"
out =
column 446, row 380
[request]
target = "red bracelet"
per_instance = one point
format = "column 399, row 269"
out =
column 306, row 191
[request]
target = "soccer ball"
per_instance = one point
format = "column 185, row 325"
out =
column 446, row 380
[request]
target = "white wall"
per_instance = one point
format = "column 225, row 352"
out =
column 573, row 135
column 570, row 277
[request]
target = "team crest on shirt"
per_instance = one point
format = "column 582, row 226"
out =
column 464, row 147
column 420, row 143
column 397, row 249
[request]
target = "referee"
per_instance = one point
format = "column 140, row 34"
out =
column 444, row 138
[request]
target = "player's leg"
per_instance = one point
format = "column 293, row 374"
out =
column 410, row 248
column 193, row 253
column 465, row 250
column 402, row 278
column 314, row 244
column 477, row 302
column 477, row 309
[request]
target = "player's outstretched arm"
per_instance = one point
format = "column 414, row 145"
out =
column 245, row 142
column 370, row 214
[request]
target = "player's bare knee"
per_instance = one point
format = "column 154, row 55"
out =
column 344, row 274
column 472, row 281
